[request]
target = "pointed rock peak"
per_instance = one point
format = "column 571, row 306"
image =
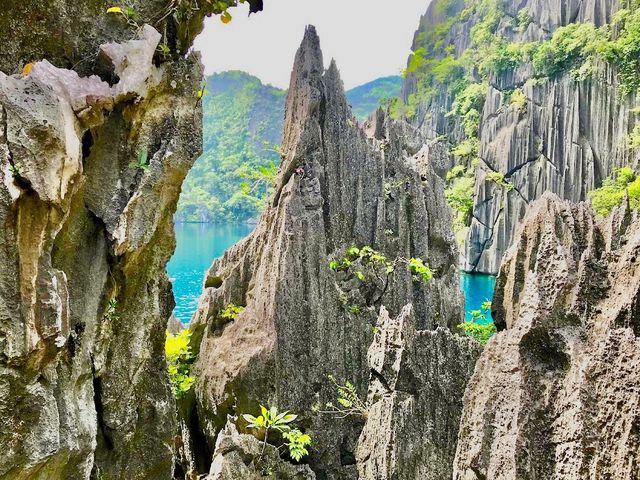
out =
column 309, row 56
column 333, row 74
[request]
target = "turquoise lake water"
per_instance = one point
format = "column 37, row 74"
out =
column 477, row 288
column 198, row 244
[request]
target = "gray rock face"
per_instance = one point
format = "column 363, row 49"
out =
column 240, row 456
column 568, row 138
column 84, row 297
column 335, row 189
column 557, row 394
column 418, row 379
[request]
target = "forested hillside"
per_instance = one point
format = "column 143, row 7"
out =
column 242, row 125
column 243, row 122
column 366, row 98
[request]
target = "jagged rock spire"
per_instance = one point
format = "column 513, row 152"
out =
column 303, row 321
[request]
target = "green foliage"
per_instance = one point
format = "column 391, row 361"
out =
column 518, row 99
column 613, row 190
column 419, row 269
column 523, row 19
column 366, row 98
column 624, row 50
column 111, row 312
column 348, row 403
column 270, row 420
column 498, row 178
column 459, row 194
column 179, row 359
column 572, row 48
column 481, row 332
column 231, row 312
column 478, row 328
column 298, row 443
column 233, row 178
column 467, row 148
column 141, row 161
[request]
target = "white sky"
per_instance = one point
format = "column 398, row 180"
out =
column 368, row 38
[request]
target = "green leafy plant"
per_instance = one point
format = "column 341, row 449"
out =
column 420, row 270
column 459, row 195
column 373, row 270
column 141, row 161
column 127, row 13
column 613, row 190
column 498, row 178
column 348, row 402
column 15, row 171
column 179, row 359
column 481, row 332
column 111, row 313
column 297, row 443
column 231, row 312
column 478, row 328
column 518, row 99
column 523, row 19
column 270, row 420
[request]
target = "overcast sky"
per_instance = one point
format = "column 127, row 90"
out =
column 368, row 38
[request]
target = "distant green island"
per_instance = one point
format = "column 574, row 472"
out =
column 242, row 127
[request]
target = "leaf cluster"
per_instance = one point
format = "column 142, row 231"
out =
column 478, row 328
column 613, row 191
column 179, row 360
column 231, row 312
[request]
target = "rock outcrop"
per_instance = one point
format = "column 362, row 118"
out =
column 304, row 321
column 557, row 394
column 567, row 138
column 92, row 159
column 241, row 456
column 418, row 379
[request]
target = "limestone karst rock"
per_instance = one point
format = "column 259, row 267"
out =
column 242, row 456
column 557, row 394
column 303, row 322
column 418, row 379
column 568, row 137
column 91, row 164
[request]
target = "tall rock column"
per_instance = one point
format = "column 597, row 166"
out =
column 557, row 393
column 303, row 321
column 96, row 136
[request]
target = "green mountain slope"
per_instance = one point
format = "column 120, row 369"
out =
column 243, row 121
column 365, row 99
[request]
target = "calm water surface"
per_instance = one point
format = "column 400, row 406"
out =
column 477, row 288
column 198, row 244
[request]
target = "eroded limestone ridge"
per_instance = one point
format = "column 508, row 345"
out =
column 566, row 136
column 557, row 394
column 303, row 321
column 90, row 173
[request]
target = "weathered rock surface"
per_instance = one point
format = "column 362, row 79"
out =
column 336, row 188
column 85, row 237
column 557, row 394
column 418, row 379
column 567, row 139
column 241, row 456
column 67, row 33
